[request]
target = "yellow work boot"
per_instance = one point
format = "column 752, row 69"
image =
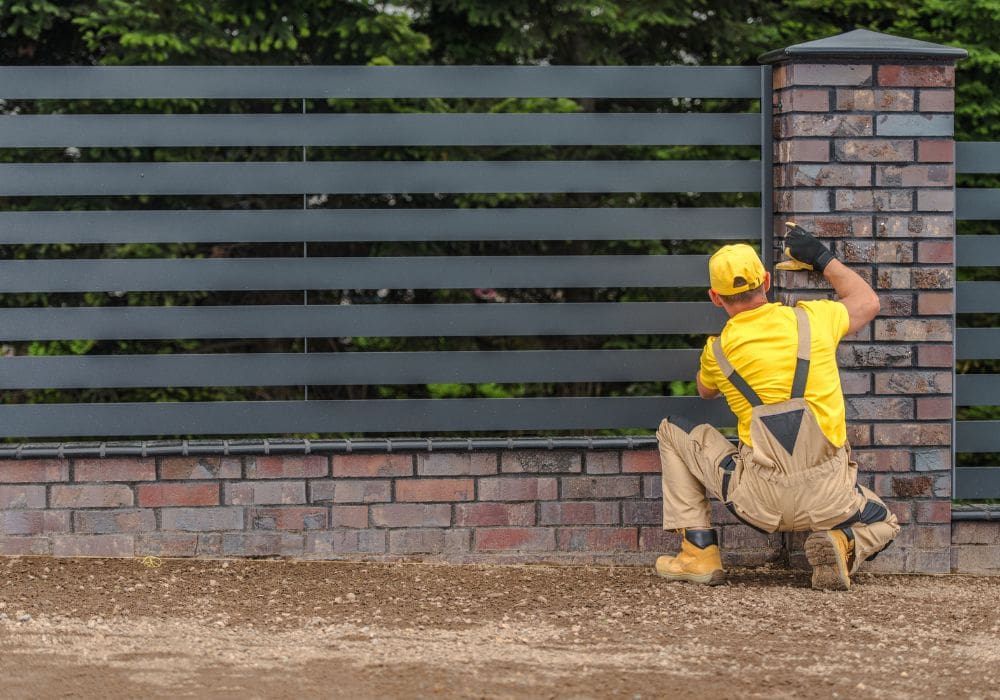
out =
column 699, row 560
column 828, row 553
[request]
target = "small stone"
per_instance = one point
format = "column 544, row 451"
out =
column 23, row 616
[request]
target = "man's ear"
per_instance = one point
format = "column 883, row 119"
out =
column 767, row 282
column 714, row 296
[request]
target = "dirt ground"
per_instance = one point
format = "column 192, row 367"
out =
column 262, row 629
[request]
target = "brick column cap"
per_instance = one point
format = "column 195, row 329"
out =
column 864, row 43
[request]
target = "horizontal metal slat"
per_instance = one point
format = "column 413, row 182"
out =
column 260, row 130
column 456, row 272
column 379, row 225
column 289, row 369
column 977, row 251
column 370, row 177
column 334, row 321
column 977, row 389
column 977, row 204
column 977, row 482
column 977, row 436
column 381, row 416
column 357, row 82
column 977, row 157
column 977, row 297
column 977, row 343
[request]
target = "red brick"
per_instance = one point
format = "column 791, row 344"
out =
column 456, row 464
column 874, row 200
column 201, row 519
column 834, row 226
column 541, row 461
column 33, row 522
column 823, row 175
column 911, row 434
column 936, row 151
column 24, row 546
column 411, row 515
column 913, row 329
column 916, row 76
column 911, row 382
column 294, row 518
column 26, row 471
column 599, row 539
column 896, row 304
column 804, row 100
column 246, row 493
column 903, row 510
column 372, row 465
column 349, row 516
column 894, row 278
column 124, row 469
column 879, row 408
column 588, row 487
column 93, row 546
column 645, row 512
column 936, row 200
column 875, row 100
column 914, row 175
column 797, row 125
column 804, row 200
column 800, row 150
column 654, row 539
column 185, row 468
column 287, row 467
column 936, row 252
column 933, row 511
column 435, row 490
column 935, row 356
column 641, row 462
column 487, row 514
column 331, row 543
column 26, row 496
column 91, row 496
column 937, row 100
column 935, row 408
column 873, row 150
column 159, row 495
column 652, row 487
column 874, row 356
column 829, row 74
column 579, row 513
column 423, row 541
column 166, row 544
column 518, row 489
column 859, row 435
column 351, row 491
column 916, row 226
column 527, row 539
column 114, row 521
column 854, row 383
column 900, row 486
column 261, row 544
column 893, row 251
column 882, row 460
column 603, row 462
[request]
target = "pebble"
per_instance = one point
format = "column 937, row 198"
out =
column 23, row 617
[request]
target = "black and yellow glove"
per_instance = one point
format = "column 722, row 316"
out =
column 805, row 250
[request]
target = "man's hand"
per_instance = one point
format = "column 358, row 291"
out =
column 805, row 250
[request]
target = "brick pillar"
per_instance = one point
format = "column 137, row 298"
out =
column 864, row 158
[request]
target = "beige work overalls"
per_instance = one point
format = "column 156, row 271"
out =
column 792, row 479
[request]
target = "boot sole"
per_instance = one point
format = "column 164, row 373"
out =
column 829, row 569
column 713, row 578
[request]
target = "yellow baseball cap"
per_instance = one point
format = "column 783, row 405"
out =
column 734, row 269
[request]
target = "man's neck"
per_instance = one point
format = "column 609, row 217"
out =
column 745, row 306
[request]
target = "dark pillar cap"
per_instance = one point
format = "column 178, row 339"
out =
column 863, row 43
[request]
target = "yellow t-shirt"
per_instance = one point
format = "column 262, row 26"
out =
column 761, row 345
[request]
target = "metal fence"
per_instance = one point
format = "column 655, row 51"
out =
column 978, row 332
column 117, row 194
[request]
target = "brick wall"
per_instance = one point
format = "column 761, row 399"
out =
column 503, row 506
column 864, row 157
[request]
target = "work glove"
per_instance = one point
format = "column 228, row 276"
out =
column 805, row 250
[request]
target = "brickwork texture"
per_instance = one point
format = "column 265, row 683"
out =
column 864, row 157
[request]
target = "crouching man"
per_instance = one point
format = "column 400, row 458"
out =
column 792, row 469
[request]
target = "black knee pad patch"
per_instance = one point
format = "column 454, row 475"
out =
column 873, row 513
column 681, row 422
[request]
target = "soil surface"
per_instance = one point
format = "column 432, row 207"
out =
column 265, row 629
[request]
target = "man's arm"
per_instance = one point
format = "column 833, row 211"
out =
column 860, row 299
column 703, row 391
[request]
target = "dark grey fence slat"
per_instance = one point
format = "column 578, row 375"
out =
column 977, row 482
column 977, row 204
column 977, row 157
column 389, row 320
column 977, row 343
column 977, row 389
column 977, row 297
column 262, row 130
column 977, row 251
column 288, row 369
column 383, row 416
column 457, row 272
column 977, row 436
column 368, row 177
column 62, row 82
column 380, row 225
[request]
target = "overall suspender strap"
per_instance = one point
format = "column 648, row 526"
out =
column 802, row 356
